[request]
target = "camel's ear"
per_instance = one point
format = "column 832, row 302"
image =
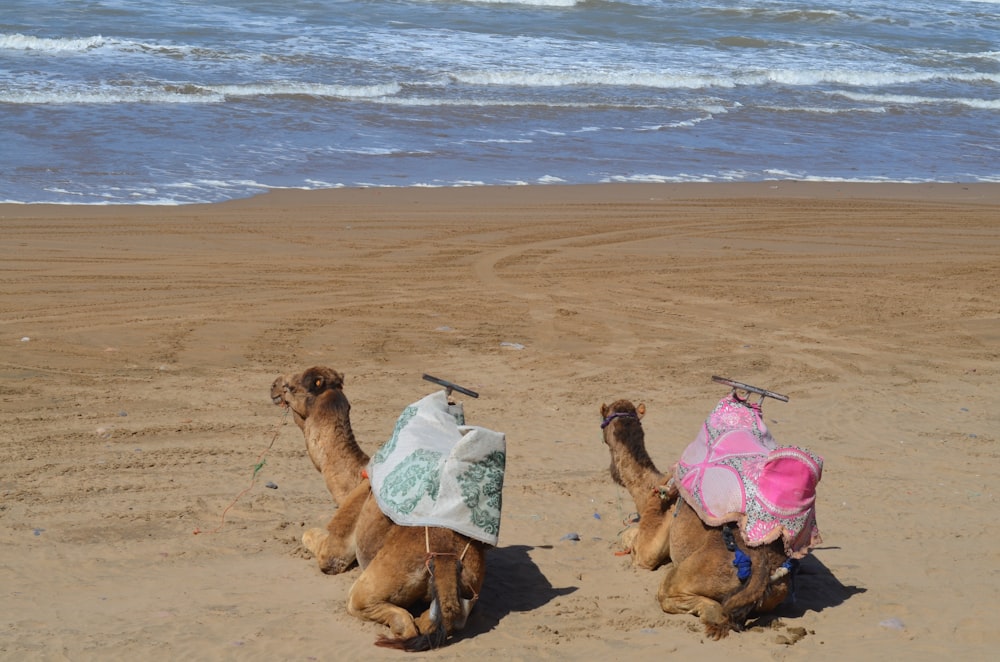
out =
column 320, row 379
column 604, row 410
column 334, row 379
column 641, row 410
column 315, row 382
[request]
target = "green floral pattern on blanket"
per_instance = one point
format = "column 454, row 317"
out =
column 482, row 491
column 434, row 472
column 411, row 480
column 389, row 446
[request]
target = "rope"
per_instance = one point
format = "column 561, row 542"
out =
column 618, row 414
column 431, row 555
column 253, row 479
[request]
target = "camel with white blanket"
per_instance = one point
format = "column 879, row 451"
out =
column 402, row 565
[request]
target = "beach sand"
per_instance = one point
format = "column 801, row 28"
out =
column 138, row 345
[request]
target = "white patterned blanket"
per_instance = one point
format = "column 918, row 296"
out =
column 435, row 471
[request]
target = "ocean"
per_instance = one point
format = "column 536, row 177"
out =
column 169, row 102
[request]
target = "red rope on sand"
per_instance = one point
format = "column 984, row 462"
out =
column 253, row 480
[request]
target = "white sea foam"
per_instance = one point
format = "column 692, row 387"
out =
column 21, row 42
column 497, row 141
column 650, row 178
column 63, row 45
column 695, row 80
column 473, row 102
column 825, row 110
column 186, row 93
column 681, row 124
column 104, row 95
column 305, row 89
column 626, row 78
column 529, row 3
column 917, row 100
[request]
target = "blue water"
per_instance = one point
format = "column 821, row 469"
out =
column 182, row 101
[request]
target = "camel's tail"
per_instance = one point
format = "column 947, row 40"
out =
column 448, row 610
column 755, row 590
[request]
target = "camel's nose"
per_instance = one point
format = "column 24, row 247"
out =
column 278, row 389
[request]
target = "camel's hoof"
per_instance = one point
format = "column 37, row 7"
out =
column 333, row 566
column 717, row 631
column 404, row 629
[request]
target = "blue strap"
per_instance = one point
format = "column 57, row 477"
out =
column 743, row 565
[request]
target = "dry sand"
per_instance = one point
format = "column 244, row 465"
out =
column 138, row 345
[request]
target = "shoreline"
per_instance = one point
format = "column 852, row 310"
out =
column 986, row 192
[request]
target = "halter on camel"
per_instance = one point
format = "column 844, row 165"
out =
column 618, row 414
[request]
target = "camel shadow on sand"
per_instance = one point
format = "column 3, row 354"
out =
column 816, row 588
column 513, row 584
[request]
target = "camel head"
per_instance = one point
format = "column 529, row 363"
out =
column 304, row 392
column 623, row 434
column 621, row 409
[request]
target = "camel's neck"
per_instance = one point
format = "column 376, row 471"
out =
column 334, row 450
column 631, row 466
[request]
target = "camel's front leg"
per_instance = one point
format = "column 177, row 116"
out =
column 381, row 592
column 651, row 545
column 685, row 590
column 649, row 542
column 335, row 548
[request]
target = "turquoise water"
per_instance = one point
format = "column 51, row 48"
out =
column 173, row 102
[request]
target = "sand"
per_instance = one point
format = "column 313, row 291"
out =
column 138, row 345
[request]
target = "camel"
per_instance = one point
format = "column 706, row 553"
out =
column 402, row 566
column 700, row 577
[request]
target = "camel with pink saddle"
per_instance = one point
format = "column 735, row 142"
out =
column 729, row 520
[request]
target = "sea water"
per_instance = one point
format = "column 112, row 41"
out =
column 186, row 101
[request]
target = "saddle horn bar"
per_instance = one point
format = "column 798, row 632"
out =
column 762, row 392
column 449, row 386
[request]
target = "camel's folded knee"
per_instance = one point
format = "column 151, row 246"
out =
column 628, row 536
column 692, row 604
column 399, row 621
column 330, row 556
column 713, row 616
column 313, row 540
column 648, row 556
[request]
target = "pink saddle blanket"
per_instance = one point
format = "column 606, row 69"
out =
column 735, row 472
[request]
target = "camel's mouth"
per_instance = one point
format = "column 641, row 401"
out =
column 279, row 389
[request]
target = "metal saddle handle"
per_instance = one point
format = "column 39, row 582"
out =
column 449, row 386
column 740, row 386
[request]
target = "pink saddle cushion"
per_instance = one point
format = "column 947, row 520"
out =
column 735, row 472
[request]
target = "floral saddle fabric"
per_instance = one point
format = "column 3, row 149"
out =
column 436, row 471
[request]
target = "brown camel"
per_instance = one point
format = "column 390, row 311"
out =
column 700, row 577
column 402, row 566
